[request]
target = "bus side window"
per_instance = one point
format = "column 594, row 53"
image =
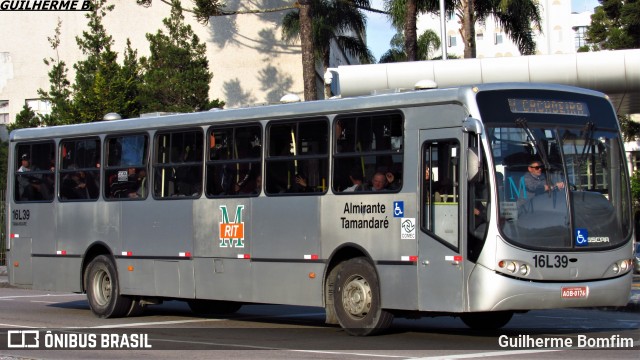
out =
column 178, row 164
column 368, row 146
column 126, row 167
column 297, row 161
column 79, row 173
column 35, row 172
column 234, row 161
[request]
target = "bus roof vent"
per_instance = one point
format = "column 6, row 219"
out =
column 425, row 84
column 111, row 116
column 290, row 98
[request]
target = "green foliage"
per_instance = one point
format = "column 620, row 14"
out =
column 176, row 74
column 332, row 21
column 630, row 129
column 428, row 43
column 615, row 25
column 101, row 83
column 59, row 94
column 25, row 119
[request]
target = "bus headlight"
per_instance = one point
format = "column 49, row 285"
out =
column 514, row 267
column 621, row 266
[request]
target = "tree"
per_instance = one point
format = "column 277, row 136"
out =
column 404, row 14
column 25, row 119
column 428, row 42
column 331, row 22
column 59, row 94
column 176, row 74
column 615, row 25
column 100, row 81
column 518, row 18
column 205, row 9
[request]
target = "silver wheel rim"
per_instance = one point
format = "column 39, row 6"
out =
column 356, row 297
column 102, row 287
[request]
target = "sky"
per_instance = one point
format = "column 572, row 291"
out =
column 379, row 30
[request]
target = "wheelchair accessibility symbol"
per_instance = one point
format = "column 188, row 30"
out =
column 398, row 209
column 582, row 237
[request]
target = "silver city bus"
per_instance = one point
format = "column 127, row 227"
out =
column 405, row 204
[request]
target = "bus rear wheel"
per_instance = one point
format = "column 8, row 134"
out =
column 213, row 307
column 103, row 290
column 356, row 299
column 487, row 320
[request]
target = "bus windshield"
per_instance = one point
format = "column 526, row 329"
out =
column 562, row 185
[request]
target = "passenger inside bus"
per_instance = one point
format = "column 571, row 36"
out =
column 74, row 185
column 393, row 180
column 36, row 186
column 140, row 185
column 379, row 182
column 356, row 178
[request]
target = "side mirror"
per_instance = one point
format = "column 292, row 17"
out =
column 474, row 166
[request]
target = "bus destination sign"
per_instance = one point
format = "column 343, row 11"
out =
column 559, row 107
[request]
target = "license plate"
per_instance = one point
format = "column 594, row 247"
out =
column 575, row 292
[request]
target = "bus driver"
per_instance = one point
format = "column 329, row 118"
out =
column 536, row 182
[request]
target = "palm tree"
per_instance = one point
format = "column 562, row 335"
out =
column 403, row 15
column 331, row 21
column 427, row 43
column 516, row 17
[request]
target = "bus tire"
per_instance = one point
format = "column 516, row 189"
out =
column 356, row 297
column 492, row 320
column 103, row 289
column 213, row 307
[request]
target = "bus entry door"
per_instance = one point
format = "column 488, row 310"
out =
column 440, row 245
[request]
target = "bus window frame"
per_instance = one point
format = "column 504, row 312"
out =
column 423, row 225
column 61, row 172
column 336, row 154
column 43, row 172
column 249, row 160
column 271, row 159
column 155, row 164
column 106, row 167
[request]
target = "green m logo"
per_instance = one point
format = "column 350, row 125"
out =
column 231, row 231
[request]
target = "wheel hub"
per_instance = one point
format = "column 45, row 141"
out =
column 356, row 297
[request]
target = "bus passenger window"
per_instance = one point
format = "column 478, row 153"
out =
column 297, row 161
column 178, row 164
column 234, row 163
column 34, row 175
column 126, row 167
column 80, row 169
column 368, row 153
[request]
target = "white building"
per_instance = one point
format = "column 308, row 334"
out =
column 557, row 34
column 249, row 61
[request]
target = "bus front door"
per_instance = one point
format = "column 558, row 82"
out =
column 440, row 244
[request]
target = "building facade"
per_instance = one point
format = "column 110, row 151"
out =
column 557, row 33
column 249, row 61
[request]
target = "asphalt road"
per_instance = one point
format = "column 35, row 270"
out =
column 287, row 332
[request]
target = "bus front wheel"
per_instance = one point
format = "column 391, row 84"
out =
column 356, row 298
column 103, row 291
